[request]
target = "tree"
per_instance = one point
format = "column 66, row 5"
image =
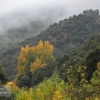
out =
column 95, row 83
column 32, row 58
column 3, row 76
column 44, row 72
column 24, row 81
column 91, row 62
column 95, row 80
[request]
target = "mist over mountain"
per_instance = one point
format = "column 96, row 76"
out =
column 21, row 20
column 18, row 13
column 39, row 38
column 65, row 36
column 17, row 25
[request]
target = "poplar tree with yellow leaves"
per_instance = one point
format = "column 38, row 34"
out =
column 32, row 58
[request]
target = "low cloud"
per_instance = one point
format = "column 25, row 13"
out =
column 72, row 6
column 19, row 12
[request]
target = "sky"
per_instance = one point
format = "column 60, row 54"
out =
column 70, row 6
column 17, row 12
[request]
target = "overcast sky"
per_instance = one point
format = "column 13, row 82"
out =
column 70, row 6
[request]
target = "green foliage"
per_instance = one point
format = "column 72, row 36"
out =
column 96, row 76
column 49, row 89
column 56, row 89
column 91, row 61
column 46, row 89
column 24, row 81
column 23, row 95
column 88, row 55
column 3, row 76
column 76, row 83
column 45, row 72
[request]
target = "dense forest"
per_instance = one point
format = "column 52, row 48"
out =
column 66, row 35
column 60, row 63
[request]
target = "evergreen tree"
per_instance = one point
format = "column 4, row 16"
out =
column 3, row 76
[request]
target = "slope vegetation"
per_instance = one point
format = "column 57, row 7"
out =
column 66, row 35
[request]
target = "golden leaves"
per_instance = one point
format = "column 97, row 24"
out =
column 31, row 58
column 36, row 64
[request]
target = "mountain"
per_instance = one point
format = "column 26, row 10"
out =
column 69, row 33
column 66, row 35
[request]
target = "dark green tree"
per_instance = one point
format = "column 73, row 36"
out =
column 91, row 62
column 24, row 81
column 3, row 76
column 44, row 72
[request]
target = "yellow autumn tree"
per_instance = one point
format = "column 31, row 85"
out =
column 31, row 58
column 36, row 64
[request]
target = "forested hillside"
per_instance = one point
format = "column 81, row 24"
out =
column 60, row 63
column 69, row 33
column 75, row 76
column 87, row 55
column 64, row 36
